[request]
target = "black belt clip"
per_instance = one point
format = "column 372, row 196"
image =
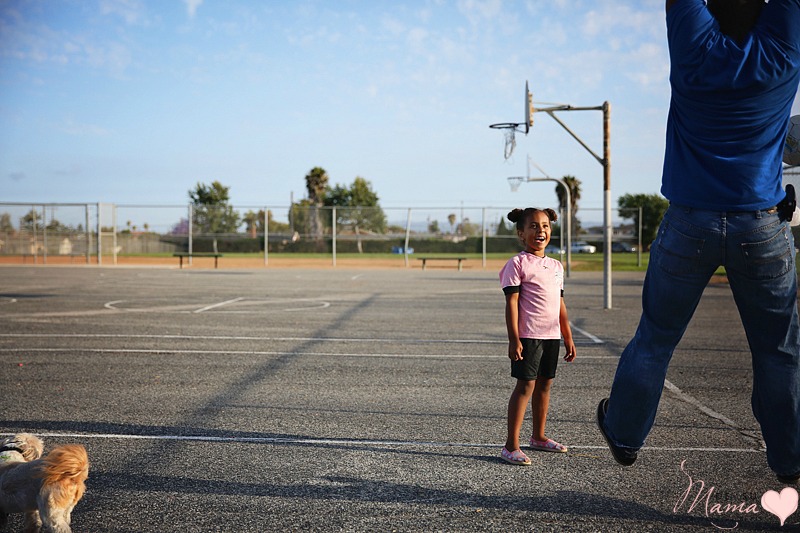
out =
column 787, row 206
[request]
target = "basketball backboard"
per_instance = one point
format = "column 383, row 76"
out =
column 510, row 128
column 528, row 108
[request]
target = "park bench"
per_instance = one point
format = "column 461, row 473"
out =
column 181, row 255
column 426, row 259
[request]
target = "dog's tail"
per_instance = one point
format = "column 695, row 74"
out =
column 64, row 471
column 27, row 445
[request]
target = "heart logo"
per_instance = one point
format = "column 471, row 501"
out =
column 782, row 505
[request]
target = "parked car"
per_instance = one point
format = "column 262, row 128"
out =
column 553, row 249
column 583, row 247
column 622, row 247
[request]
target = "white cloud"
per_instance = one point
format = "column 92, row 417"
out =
column 191, row 7
column 71, row 127
column 131, row 11
column 480, row 10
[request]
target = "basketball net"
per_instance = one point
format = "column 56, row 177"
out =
column 511, row 143
column 515, row 182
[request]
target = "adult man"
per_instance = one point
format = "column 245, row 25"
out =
column 735, row 67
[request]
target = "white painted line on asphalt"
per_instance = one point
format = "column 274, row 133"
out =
column 220, row 304
column 246, row 352
column 255, row 304
column 353, row 442
column 586, row 334
column 691, row 400
column 160, row 351
column 503, row 341
column 695, row 402
column 246, row 338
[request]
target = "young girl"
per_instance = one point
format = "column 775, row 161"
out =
column 536, row 319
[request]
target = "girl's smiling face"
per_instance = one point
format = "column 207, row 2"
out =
column 536, row 235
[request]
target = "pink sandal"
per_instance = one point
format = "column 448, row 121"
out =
column 548, row 445
column 515, row 458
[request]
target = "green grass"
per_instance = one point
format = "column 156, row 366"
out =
column 619, row 262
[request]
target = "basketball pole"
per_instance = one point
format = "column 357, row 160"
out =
column 605, row 162
column 568, row 229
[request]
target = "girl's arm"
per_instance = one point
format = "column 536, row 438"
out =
column 512, row 325
column 566, row 332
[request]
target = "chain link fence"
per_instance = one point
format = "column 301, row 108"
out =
column 100, row 233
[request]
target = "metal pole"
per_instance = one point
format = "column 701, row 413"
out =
column 607, row 205
column 87, row 235
column 568, row 217
column 639, row 233
column 606, row 162
column 408, row 235
column 291, row 213
column 333, row 232
column 483, row 232
column 99, row 237
column 44, row 235
column 191, row 227
column 35, row 250
column 561, row 240
column 266, row 236
column 569, row 227
column 114, row 230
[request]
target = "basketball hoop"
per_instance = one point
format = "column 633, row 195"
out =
column 511, row 128
column 509, row 133
column 514, row 182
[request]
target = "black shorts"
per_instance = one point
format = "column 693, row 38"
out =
column 539, row 359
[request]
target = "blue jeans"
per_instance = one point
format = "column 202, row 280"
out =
column 757, row 251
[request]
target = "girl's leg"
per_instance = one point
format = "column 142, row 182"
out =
column 516, row 412
column 540, row 402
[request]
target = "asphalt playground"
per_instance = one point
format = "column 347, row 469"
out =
column 362, row 400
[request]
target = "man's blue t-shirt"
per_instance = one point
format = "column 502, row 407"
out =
column 730, row 107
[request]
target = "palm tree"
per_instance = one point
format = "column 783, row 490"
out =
column 451, row 218
column 251, row 221
column 574, row 185
column 316, row 183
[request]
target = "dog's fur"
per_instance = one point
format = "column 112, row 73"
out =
column 21, row 447
column 45, row 489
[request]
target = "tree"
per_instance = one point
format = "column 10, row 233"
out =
column 465, row 227
column 502, row 229
column 212, row 213
column 316, row 184
column 5, row 223
column 433, row 226
column 250, row 220
column 255, row 223
column 180, row 228
column 574, row 185
column 653, row 208
column 358, row 207
column 31, row 221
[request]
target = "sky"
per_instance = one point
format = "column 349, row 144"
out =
column 135, row 102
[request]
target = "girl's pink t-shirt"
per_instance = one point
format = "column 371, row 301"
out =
column 541, row 284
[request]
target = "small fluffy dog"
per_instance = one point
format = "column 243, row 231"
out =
column 45, row 489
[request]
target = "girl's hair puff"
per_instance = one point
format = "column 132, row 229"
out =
column 520, row 216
